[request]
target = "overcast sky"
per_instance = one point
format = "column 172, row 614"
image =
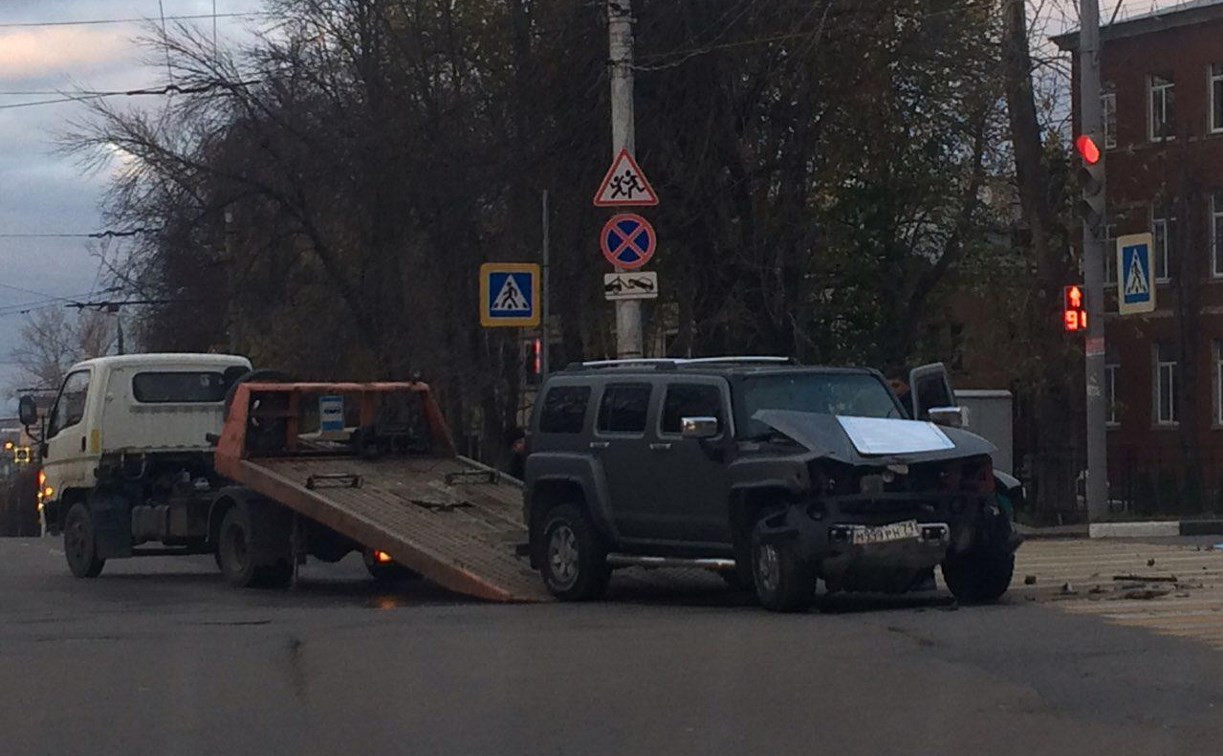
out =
column 42, row 192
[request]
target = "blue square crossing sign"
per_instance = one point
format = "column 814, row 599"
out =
column 509, row 295
column 1136, row 288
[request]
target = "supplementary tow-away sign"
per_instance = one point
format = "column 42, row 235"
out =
column 1136, row 290
column 628, row 241
column 635, row 285
column 509, row 295
column 625, row 185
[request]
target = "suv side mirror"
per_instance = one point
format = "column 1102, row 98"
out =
column 27, row 411
column 952, row 417
column 699, row 427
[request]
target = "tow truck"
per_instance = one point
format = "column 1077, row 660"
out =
column 189, row 454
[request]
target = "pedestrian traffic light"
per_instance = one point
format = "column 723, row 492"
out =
column 1074, row 309
column 1091, row 183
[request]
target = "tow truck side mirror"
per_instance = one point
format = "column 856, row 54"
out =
column 27, row 411
column 952, row 417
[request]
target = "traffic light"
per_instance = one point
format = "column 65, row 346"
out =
column 534, row 358
column 1091, row 183
column 1074, row 309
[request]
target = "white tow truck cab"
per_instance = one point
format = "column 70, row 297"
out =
column 137, row 425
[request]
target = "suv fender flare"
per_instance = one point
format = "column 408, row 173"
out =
column 554, row 489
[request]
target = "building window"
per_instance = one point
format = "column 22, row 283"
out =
column 1162, row 228
column 1166, row 398
column 1110, row 393
column 1163, row 112
column 1216, row 233
column 1216, row 97
column 1219, row 383
column 1110, row 254
column 1108, row 114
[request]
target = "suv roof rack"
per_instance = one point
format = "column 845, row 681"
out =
column 671, row 363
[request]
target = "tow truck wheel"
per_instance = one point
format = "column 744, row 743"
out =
column 79, row 544
column 237, row 561
column 784, row 582
column 574, row 566
column 384, row 571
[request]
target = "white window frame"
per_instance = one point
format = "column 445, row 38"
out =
column 1163, row 87
column 1110, row 394
column 1108, row 116
column 1164, row 251
column 1214, row 75
column 1110, row 254
column 1171, row 367
column 1216, row 240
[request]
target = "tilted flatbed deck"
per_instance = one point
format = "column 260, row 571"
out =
column 454, row 522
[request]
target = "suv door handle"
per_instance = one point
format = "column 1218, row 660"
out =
column 599, row 444
column 660, row 446
column 82, row 443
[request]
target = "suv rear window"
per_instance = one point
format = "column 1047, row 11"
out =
column 564, row 409
column 196, row 387
column 624, row 408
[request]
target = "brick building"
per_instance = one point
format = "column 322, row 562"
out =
column 1162, row 97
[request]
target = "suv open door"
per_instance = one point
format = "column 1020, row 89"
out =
column 930, row 389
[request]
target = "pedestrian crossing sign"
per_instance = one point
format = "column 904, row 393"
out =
column 1136, row 289
column 509, row 295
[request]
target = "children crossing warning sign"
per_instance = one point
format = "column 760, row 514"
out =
column 509, row 295
column 625, row 185
column 1137, row 285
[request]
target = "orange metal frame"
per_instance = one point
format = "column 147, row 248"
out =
column 231, row 449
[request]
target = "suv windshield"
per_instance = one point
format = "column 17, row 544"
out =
column 855, row 394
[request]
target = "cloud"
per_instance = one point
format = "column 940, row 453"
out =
column 66, row 51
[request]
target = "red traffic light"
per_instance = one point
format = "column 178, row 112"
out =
column 1074, row 310
column 1087, row 149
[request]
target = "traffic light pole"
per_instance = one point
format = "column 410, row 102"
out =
column 1093, row 274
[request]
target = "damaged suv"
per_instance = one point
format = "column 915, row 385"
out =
column 777, row 475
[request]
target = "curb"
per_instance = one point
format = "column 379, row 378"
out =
column 1158, row 529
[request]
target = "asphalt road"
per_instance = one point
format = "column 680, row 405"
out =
column 159, row 656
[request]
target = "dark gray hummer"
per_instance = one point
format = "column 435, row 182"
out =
column 773, row 473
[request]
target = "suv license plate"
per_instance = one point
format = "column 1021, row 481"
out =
column 897, row 531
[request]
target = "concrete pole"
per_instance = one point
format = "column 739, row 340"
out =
column 544, row 322
column 1093, row 273
column 620, row 49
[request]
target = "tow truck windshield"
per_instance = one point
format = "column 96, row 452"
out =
column 854, row 394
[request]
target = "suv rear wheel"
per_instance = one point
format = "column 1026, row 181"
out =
column 574, row 567
column 784, row 581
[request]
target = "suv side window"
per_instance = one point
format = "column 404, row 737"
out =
column 564, row 409
column 690, row 400
column 70, row 406
column 624, row 408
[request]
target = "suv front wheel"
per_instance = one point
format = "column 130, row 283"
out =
column 784, row 581
column 574, row 565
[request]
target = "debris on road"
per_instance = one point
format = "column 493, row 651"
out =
column 1029, row 580
column 1146, row 594
column 1147, row 578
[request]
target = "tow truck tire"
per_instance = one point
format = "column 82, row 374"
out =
column 385, row 572
column 237, row 562
column 80, row 546
column 574, row 565
column 784, row 582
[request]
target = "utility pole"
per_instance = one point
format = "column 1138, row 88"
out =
column 1093, row 273
column 620, row 49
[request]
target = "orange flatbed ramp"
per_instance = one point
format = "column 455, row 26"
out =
column 456, row 524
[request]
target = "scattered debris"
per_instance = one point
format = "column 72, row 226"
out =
column 1147, row 578
column 1031, row 579
column 1068, row 589
column 1150, row 562
column 1146, row 594
column 1182, row 595
column 1098, row 589
column 1219, row 547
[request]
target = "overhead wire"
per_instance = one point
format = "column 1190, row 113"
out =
column 103, row 21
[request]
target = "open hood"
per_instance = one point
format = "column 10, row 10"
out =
column 873, row 440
